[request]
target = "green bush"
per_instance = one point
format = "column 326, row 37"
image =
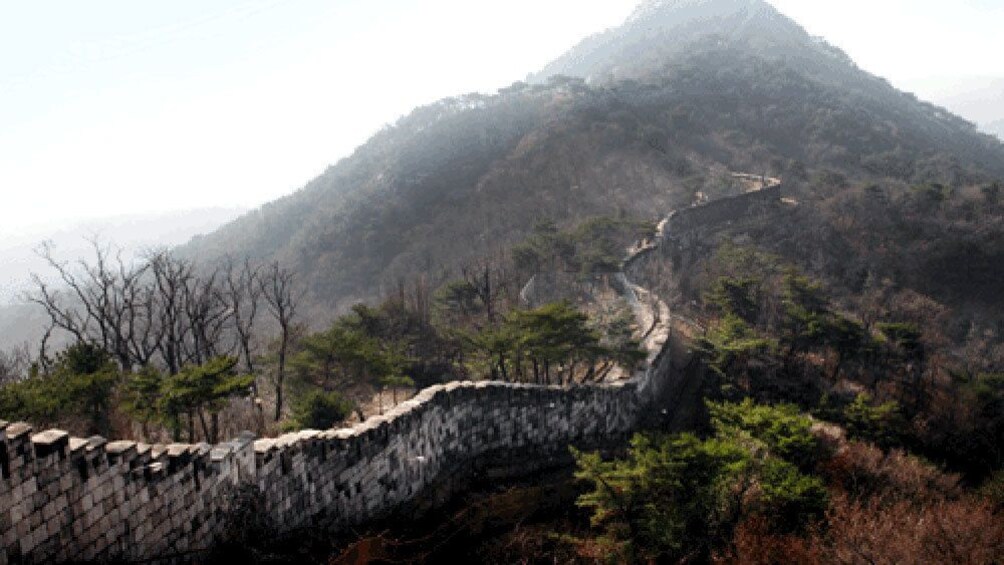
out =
column 784, row 431
column 78, row 388
column 198, row 389
column 881, row 424
column 681, row 497
column 790, row 498
column 319, row 410
column 669, row 493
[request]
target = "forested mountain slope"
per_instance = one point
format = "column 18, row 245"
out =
column 682, row 92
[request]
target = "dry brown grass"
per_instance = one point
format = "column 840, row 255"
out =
column 885, row 509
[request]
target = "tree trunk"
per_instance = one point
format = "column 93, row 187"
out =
column 205, row 427
column 280, row 376
column 176, row 428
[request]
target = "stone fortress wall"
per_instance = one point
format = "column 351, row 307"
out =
column 763, row 192
column 65, row 498
column 681, row 227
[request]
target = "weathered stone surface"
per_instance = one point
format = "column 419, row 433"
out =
column 178, row 449
column 121, row 452
column 77, row 444
column 17, row 430
column 50, row 441
column 96, row 442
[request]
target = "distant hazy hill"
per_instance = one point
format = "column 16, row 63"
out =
column 996, row 128
column 683, row 88
column 979, row 98
column 131, row 233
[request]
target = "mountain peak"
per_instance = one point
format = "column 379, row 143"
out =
column 658, row 30
column 681, row 10
column 726, row 18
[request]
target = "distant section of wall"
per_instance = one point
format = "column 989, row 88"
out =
column 713, row 214
column 556, row 286
column 686, row 225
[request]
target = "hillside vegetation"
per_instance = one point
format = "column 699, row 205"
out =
column 662, row 111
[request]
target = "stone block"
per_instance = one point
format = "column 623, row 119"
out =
column 77, row 445
column 264, row 445
column 158, row 450
column 121, row 452
column 96, row 442
column 17, row 430
column 221, row 452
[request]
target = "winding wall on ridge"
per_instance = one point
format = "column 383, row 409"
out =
column 64, row 498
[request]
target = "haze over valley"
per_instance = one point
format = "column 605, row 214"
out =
column 131, row 234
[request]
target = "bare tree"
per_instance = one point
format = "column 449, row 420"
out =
column 278, row 290
column 164, row 311
column 44, row 363
column 101, row 303
column 242, row 293
column 161, row 309
column 14, row 364
column 487, row 278
column 207, row 315
column 172, row 276
column 146, row 332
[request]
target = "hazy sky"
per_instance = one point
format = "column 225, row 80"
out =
column 118, row 106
